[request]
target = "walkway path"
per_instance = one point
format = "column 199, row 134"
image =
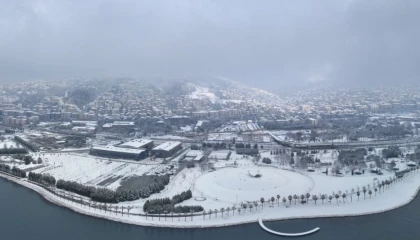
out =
column 286, row 234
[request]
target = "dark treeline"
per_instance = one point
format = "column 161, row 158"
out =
column 75, row 187
column 14, row 171
column 141, row 187
column 167, row 205
column 26, row 144
column 350, row 157
column 104, row 195
column 391, row 152
column 45, row 179
column 155, row 185
column 13, row 151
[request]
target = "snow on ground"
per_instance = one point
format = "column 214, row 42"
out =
column 221, row 154
column 221, row 136
column 397, row 195
column 229, row 185
column 168, row 137
column 9, row 143
column 235, row 185
column 87, row 169
column 203, row 93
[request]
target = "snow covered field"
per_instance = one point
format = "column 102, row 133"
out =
column 235, row 185
column 231, row 185
column 396, row 195
column 88, row 169
column 9, row 143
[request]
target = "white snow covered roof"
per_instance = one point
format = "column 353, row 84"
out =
column 167, row 146
column 118, row 149
column 136, row 143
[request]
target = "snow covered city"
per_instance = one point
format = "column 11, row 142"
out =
column 209, row 119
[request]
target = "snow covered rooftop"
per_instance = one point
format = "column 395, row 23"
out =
column 167, row 146
column 118, row 123
column 118, row 149
column 136, row 143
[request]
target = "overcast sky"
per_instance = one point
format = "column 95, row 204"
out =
column 269, row 43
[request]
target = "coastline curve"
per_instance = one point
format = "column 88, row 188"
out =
column 49, row 197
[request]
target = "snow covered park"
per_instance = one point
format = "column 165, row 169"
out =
column 87, row 169
column 395, row 195
column 284, row 192
column 235, row 185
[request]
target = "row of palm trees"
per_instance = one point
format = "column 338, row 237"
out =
column 376, row 188
column 92, row 204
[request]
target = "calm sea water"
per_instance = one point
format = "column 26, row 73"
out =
column 24, row 214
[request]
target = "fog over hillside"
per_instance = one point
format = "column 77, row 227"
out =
column 277, row 45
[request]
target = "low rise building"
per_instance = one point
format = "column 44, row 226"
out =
column 118, row 152
column 167, row 149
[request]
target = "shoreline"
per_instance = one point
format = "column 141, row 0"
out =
column 54, row 199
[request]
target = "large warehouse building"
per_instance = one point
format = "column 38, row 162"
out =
column 167, row 149
column 118, row 152
column 138, row 143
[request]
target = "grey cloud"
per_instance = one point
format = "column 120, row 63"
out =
column 266, row 43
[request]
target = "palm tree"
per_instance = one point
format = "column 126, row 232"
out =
column 284, row 200
column 204, row 214
column 358, row 195
column 256, row 205
column 330, row 198
column 227, row 211
column 370, row 193
column 375, row 191
column 336, row 197
column 322, row 198
column 295, row 197
column 307, row 197
column 262, row 203
column 290, row 199
column 222, row 210
column 122, row 210
column 244, row 206
column 315, row 197
column 116, row 210
column 364, row 192
column 210, row 212
column 239, row 211
column 215, row 212
column 344, row 197
column 128, row 209
column 272, row 201
column 302, row 197
column 278, row 200
column 352, row 193
column 233, row 210
column 250, row 207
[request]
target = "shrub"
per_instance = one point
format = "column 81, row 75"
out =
column 266, row 160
